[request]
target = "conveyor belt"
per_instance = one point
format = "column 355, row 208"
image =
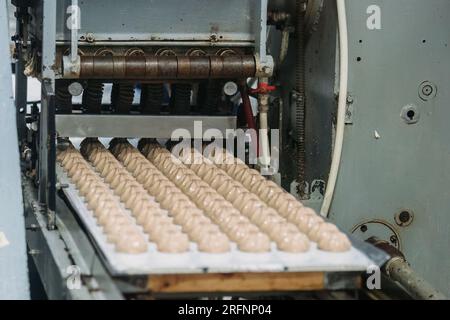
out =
column 151, row 214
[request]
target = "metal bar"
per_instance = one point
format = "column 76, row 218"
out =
column 163, row 67
column 21, row 79
column 51, row 157
column 261, row 30
column 74, row 31
column 400, row 270
column 130, row 126
column 49, row 39
column 186, row 43
column 47, row 129
column 47, row 153
column 43, row 152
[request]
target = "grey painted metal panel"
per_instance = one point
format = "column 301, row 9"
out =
column 126, row 126
column 13, row 259
column 408, row 167
column 167, row 20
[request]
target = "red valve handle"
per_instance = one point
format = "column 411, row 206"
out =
column 263, row 88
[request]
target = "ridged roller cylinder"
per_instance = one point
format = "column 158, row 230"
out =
column 164, row 67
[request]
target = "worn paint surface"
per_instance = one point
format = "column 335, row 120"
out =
column 406, row 166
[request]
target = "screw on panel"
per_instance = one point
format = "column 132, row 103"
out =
column 427, row 90
column 213, row 37
column 90, row 37
column 394, row 240
column 75, row 89
column 404, row 218
column 349, row 110
column 410, row 114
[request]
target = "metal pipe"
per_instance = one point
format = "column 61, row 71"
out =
column 176, row 43
column 164, row 67
column 399, row 270
column 263, row 102
column 282, row 21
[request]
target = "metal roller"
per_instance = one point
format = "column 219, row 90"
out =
column 163, row 67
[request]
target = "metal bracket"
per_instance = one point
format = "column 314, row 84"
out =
column 349, row 110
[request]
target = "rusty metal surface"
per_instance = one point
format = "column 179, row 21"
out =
column 167, row 67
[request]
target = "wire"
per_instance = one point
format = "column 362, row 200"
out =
column 340, row 125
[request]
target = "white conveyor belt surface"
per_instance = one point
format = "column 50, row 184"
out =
column 194, row 261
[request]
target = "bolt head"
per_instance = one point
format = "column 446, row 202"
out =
column 75, row 89
column 230, row 88
column 404, row 218
column 90, row 37
column 427, row 90
column 213, row 37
